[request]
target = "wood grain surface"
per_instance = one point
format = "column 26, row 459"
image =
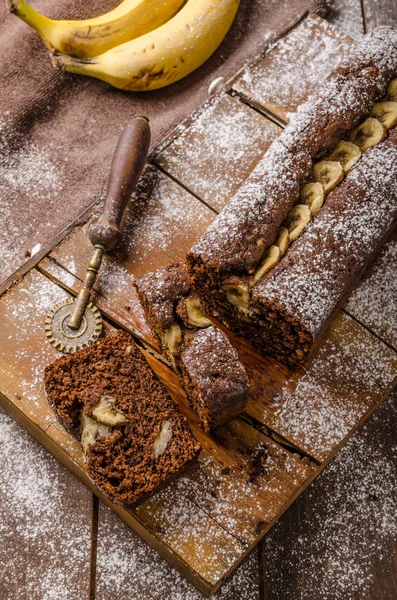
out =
column 338, row 541
column 128, row 569
column 220, row 148
column 347, row 15
column 59, row 131
column 374, row 302
column 341, row 382
column 295, row 565
column 381, row 12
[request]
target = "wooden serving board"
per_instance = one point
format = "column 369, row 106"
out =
column 207, row 521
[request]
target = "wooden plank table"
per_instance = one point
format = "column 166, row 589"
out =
column 230, row 538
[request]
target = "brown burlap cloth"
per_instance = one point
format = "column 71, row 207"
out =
column 58, row 131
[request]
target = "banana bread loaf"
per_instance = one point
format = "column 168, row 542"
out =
column 290, row 188
column 134, row 438
column 299, row 297
column 215, row 381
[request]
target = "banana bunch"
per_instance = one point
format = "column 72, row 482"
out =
column 90, row 37
column 141, row 45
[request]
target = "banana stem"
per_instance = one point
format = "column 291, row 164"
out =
column 69, row 63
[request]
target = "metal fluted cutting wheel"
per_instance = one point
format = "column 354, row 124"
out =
column 68, row 340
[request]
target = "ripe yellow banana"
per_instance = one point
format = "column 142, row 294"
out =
column 90, row 37
column 165, row 55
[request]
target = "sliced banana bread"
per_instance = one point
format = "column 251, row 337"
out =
column 134, row 438
column 214, row 379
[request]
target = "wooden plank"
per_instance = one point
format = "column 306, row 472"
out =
column 216, row 153
column 180, row 523
column 161, row 221
column 128, row 568
column 108, row 110
column 381, row 12
column 123, row 315
column 338, row 541
column 44, row 250
column 222, row 527
column 345, row 386
column 24, row 349
column 22, row 312
column 293, row 69
column 374, row 302
column 279, row 400
column 45, row 522
column 223, row 482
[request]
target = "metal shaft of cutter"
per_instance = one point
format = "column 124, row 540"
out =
column 83, row 296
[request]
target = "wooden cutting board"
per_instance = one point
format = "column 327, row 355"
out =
column 207, row 521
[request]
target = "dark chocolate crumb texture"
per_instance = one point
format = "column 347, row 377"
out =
column 134, row 438
column 215, row 381
column 332, row 170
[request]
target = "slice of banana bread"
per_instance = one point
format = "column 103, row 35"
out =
column 214, row 379
column 134, row 438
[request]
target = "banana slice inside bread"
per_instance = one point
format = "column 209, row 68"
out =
column 134, row 438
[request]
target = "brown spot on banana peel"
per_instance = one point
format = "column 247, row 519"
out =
column 74, row 43
column 143, row 80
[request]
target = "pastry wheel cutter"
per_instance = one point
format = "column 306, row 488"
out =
column 75, row 324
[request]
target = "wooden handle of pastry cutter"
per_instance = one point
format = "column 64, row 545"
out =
column 128, row 162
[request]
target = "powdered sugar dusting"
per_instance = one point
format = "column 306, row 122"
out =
column 236, row 497
column 26, row 172
column 211, row 344
column 295, row 66
column 347, row 16
column 335, row 549
column 23, row 317
column 242, row 229
column 222, row 146
column 348, row 94
column 374, row 302
column 128, row 568
column 49, row 534
column 114, row 280
column 340, row 383
column 162, row 216
column 247, row 225
column 321, row 264
column 202, row 543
